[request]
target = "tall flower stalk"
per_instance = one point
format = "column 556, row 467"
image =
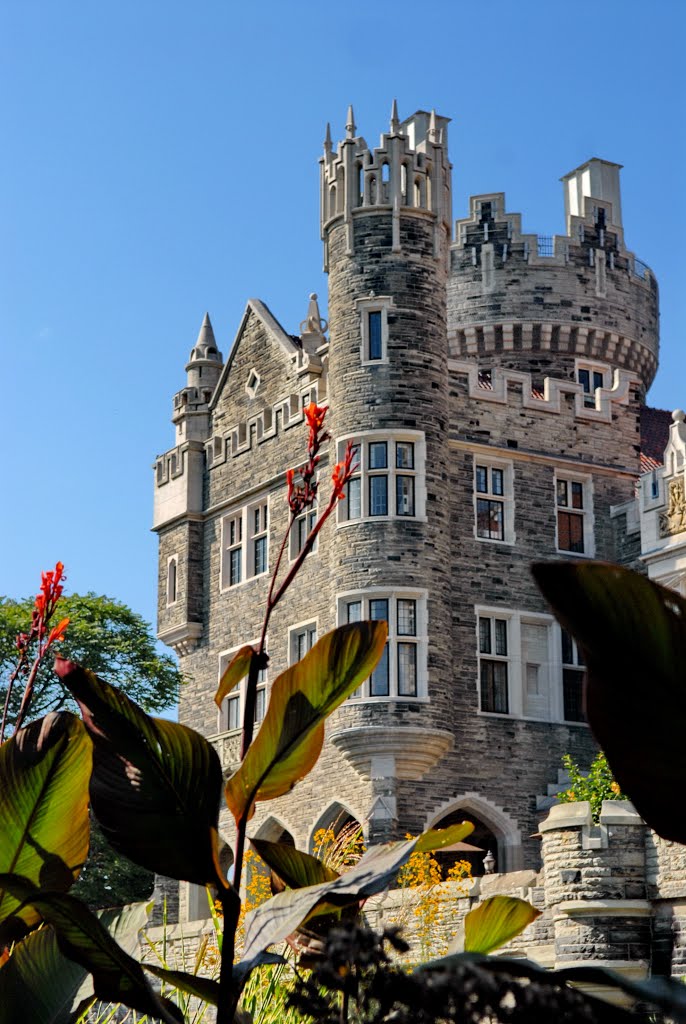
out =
column 302, row 492
column 33, row 646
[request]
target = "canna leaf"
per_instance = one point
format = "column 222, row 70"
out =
column 155, row 786
column 193, row 984
column 274, row 920
column 41, row 985
column 291, row 736
column 81, row 937
column 439, row 838
column 293, row 867
column 633, row 634
column 495, row 921
column 238, row 667
column 44, row 771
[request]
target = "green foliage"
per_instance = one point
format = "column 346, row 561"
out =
column 496, row 921
column 633, row 634
column 104, row 634
column 44, row 773
column 595, row 785
column 155, row 786
column 108, row 878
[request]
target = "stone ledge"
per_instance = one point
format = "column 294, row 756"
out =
column 605, row 908
column 413, row 750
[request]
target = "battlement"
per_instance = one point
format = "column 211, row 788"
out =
column 178, row 483
column 408, row 173
column 494, row 386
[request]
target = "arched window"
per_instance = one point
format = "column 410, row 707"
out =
column 403, row 183
column 171, row 580
column 360, row 185
column 337, row 837
column 332, row 201
column 417, row 192
column 372, row 190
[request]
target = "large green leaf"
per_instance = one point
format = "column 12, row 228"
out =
column 81, row 937
column 274, row 920
column 666, row 993
column 156, row 785
column 44, row 772
column 41, row 985
column 238, row 667
column 194, row 984
column 633, row 633
column 293, row 867
column 291, row 736
column 495, row 921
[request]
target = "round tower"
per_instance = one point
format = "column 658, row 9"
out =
column 554, row 305
column 386, row 216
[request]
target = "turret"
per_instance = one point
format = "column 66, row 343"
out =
column 579, row 303
column 386, row 230
column 191, row 404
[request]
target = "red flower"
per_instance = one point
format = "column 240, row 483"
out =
column 314, row 414
column 57, row 632
column 342, row 472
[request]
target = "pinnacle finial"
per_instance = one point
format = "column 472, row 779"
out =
column 327, row 138
column 433, row 130
column 313, row 323
column 350, row 124
column 205, row 346
column 395, row 123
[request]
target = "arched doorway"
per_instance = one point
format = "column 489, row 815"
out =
column 337, row 837
column 494, row 830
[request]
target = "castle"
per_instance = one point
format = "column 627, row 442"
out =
column 493, row 384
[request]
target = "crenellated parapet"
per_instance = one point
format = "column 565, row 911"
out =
column 407, row 174
column 496, row 386
column 527, row 295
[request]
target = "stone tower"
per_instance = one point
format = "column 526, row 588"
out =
column 386, row 229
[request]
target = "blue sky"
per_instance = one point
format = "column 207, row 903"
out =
column 161, row 160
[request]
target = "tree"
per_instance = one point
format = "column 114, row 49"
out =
column 105, row 636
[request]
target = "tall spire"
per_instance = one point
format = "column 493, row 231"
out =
column 350, row 124
column 206, row 347
column 327, row 139
column 433, row 130
column 395, row 124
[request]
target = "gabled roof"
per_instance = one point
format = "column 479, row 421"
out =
column 655, row 424
column 273, row 329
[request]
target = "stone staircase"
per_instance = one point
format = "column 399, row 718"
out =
column 544, row 803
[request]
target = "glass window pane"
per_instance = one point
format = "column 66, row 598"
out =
column 570, row 532
column 494, row 686
column 378, row 610
column 354, row 611
column 572, row 690
column 562, row 492
column 378, row 455
column 585, row 380
column 354, row 498
column 378, row 496
column 232, row 532
column 260, row 698
column 577, row 494
column 256, row 518
column 567, row 648
column 374, row 327
column 407, row 617
column 233, row 713
column 501, row 637
column 490, row 519
column 404, row 455
column 407, row 670
column 404, row 487
column 311, row 637
column 260, row 555
column 497, row 481
column 597, row 380
column 378, row 682
column 485, row 636
column 235, row 567
column 481, row 479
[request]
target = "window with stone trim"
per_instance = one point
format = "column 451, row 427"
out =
column 245, row 544
column 591, row 376
column 300, row 531
column 301, row 639
column 527, row 667
column 493, row 500
column 374, row 329
column 231, row 711
column 172, row 579
column 389, row 481
column 402, row 670
column 574, row 513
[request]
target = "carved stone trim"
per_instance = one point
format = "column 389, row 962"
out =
column 674, row 519
column 413, row 750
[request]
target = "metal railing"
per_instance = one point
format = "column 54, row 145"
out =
column 639, row 268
